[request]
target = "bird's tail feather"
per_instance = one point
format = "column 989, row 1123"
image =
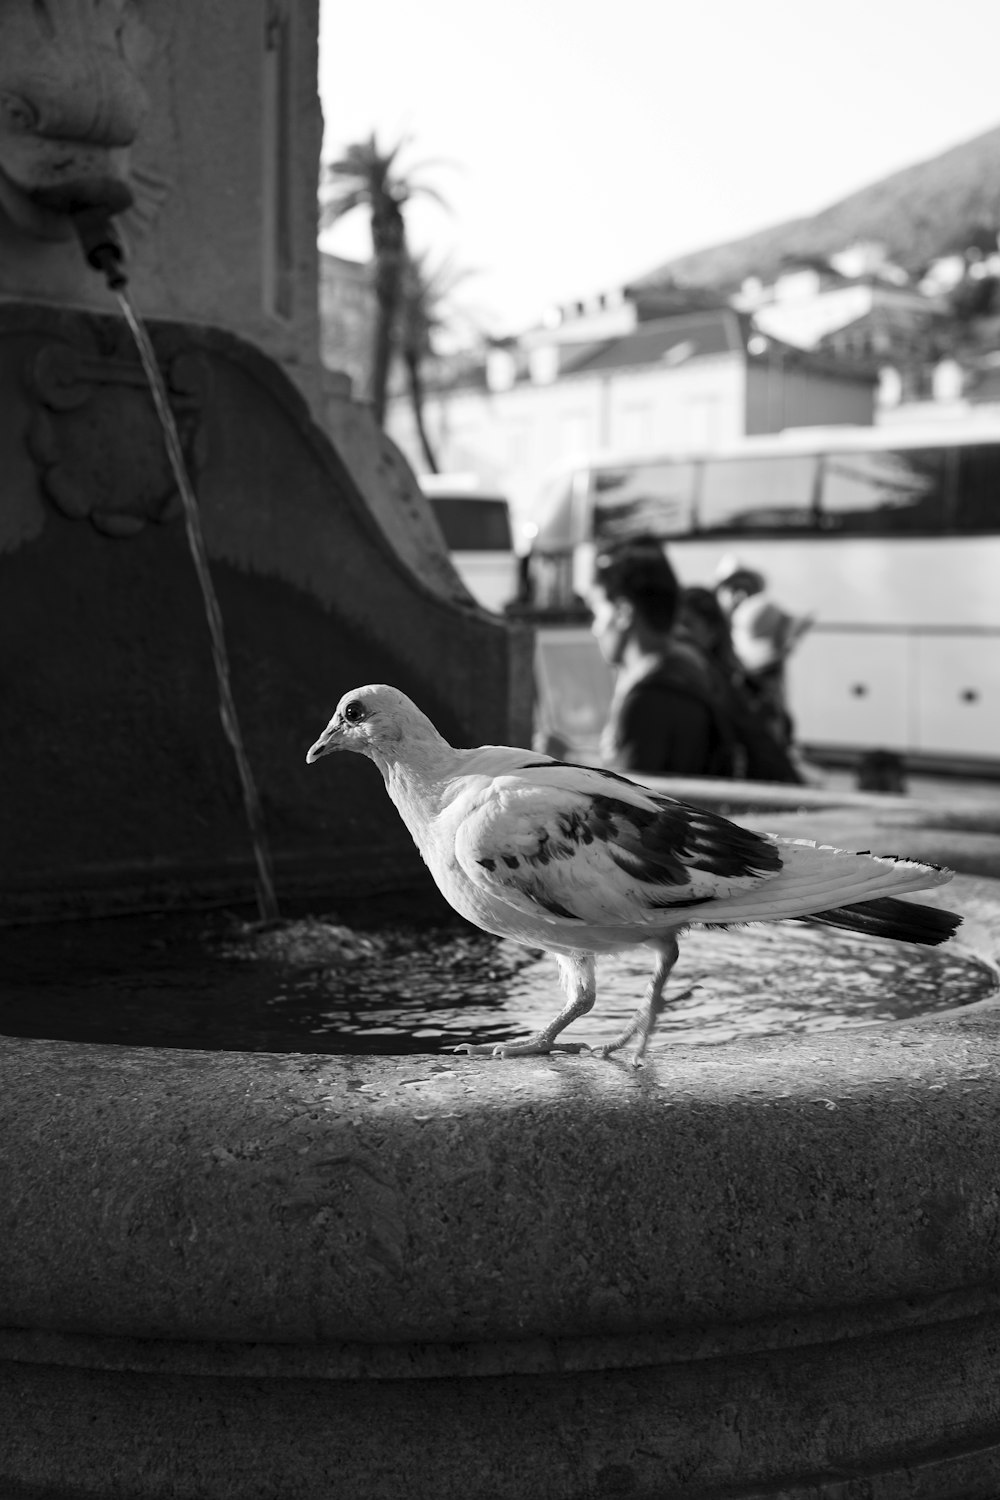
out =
column 887, row 917
column 819, row 878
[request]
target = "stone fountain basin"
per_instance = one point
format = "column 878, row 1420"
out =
column 764, row 1268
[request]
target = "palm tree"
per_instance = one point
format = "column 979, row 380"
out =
column 368, row 177
column 424, row 312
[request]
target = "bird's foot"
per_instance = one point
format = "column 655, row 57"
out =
column 640, row 1028
column 632, row 1030
column 610, row 1049
column 531, row 1046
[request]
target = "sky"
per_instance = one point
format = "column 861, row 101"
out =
column 579, row 144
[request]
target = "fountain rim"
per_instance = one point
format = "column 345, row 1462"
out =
column 203, row 1202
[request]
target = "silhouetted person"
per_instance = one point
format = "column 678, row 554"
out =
column 763, row 636
column 759, row 753
column 664, row 719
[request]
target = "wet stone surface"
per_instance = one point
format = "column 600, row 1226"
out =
column 333, row 984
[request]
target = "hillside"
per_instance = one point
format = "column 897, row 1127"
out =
column 919, row 213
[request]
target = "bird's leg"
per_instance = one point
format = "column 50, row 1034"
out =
column 643, row 1023
column 580, row 982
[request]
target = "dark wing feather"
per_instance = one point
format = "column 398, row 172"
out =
column 572, row 841
column 660, row 838
column 665, row 843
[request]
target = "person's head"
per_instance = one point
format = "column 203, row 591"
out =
column 704, row 620
column 734, row 582
column 633, row 597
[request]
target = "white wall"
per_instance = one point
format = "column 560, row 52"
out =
column 701, row 404
column 515, row 438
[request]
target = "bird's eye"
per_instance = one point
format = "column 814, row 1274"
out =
column 354, row 711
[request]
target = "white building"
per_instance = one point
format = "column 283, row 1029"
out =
column 605, row 380
column 812, row 300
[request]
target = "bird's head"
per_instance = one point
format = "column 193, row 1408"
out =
column 377, row 721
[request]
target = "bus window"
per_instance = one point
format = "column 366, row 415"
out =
column 758, row 493
column 887, row 493
column 977, row 504
column 472, row 524
column 642, row 500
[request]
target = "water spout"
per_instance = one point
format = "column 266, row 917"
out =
column 101, row 245
column 266, row 899
column 104, row 251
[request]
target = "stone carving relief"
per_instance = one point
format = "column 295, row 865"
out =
column 71, row 103
column 97, row 441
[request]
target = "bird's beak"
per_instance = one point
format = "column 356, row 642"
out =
column 328, row 741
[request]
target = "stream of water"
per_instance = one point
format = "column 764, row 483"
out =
column 267, row 902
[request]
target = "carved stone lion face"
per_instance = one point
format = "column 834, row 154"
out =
column 70, row 107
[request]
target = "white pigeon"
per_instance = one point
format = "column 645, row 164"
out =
column 581, row 861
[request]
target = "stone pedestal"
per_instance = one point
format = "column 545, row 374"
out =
column 759, row 1269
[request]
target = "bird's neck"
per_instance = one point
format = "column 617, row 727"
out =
column 416, row 784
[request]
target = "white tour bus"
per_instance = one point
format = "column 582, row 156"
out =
column 477, row 531
column 890, row 538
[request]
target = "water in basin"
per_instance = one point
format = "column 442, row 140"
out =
column 389, row 978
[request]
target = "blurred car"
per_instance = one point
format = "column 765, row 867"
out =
column 476, row 527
